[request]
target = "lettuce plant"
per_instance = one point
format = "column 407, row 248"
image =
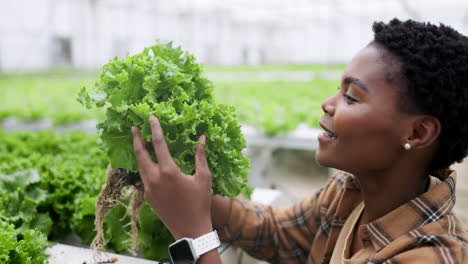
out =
column 167, row 82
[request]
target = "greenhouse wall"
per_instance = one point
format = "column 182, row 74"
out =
column 43, row 34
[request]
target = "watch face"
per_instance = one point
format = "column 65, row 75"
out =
column 181, row 253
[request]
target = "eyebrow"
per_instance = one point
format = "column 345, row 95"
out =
column 357, row 82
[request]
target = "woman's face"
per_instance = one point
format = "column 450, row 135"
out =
column 363, row 118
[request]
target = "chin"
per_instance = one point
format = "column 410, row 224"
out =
column 328, row 162
column 323, row 161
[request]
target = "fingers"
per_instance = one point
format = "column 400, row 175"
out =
column 201, row 163
column 142, row 155
column 165, row 161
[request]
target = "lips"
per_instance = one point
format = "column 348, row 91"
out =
column 328, row 132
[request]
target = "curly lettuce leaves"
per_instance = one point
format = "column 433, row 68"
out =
column 167, row 82
column 28, row 250
column 47, row 179
column 20, row 197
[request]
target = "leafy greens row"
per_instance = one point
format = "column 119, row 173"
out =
column 50, row 182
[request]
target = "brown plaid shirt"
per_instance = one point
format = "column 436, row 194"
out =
column 424, row 230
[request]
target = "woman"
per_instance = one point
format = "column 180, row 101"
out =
column 396, row 124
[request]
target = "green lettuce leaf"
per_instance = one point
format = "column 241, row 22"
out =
column 167, row 82
column 28, row 250
column 20, row 196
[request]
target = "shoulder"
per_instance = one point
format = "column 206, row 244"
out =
column 338, row 183
column 329, row 195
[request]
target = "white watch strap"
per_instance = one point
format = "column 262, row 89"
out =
column 206, row 243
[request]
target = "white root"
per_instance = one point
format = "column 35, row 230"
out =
column 136, row 201
column 107, row 199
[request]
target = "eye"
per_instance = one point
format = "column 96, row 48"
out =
column 349, row 99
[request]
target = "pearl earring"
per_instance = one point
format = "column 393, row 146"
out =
column 407, row 146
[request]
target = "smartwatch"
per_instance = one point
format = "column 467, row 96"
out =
column 188, row 250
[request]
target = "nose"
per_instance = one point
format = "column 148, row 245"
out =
column 328, row 105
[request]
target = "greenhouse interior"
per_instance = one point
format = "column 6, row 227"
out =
column 252, row 76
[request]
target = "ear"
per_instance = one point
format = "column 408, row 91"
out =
column 424, row 132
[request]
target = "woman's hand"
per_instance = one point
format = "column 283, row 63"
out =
column 183, row 202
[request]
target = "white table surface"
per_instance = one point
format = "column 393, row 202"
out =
column 65, row 254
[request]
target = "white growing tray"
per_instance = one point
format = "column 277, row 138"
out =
column 65, row 254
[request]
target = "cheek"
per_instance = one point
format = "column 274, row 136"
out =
column 366, row 138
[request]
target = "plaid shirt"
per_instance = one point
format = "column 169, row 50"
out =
column 424, row 230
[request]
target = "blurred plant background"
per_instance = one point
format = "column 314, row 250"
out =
column 274, row 60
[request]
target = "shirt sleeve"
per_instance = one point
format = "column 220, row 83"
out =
column 278, row 234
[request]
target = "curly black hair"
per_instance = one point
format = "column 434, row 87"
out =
column 432, row 63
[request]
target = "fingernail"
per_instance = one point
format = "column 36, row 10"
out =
column 134, row 129
column 152, row 118
column 203, row 139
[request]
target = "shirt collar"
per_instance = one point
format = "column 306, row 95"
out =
column 424, row 209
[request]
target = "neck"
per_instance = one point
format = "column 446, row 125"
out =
column 384, row 191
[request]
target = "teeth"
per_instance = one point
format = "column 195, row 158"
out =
column 331, row 135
